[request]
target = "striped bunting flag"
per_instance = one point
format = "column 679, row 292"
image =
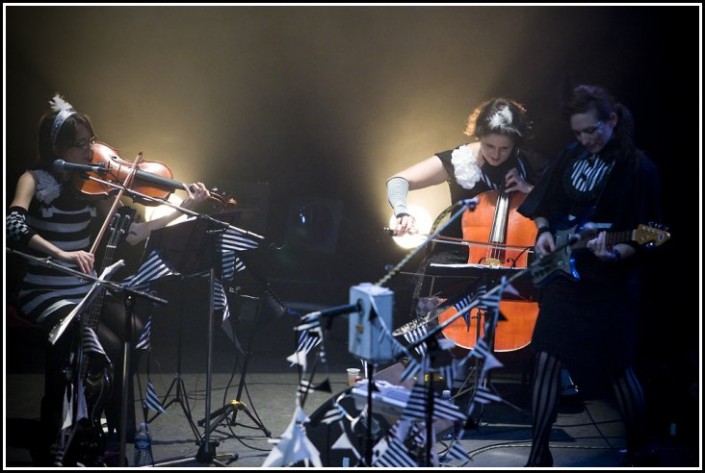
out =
column 235, row 240
column 293, row 445
column 227, row 244
column 153, row 268
column 443, row 409
column 392, row 453
column 482, row 351
column 411, row 369
column 344, row 443
column 220, row 302
column 145, row 339
column 151, row 401
column 465, row 301
column 398, row 349
column 417, row 434
column 484, row 396
column 309, row 321
column 416, row 334
column 459, row 372
column 230, row 264
column 305, row 386
column 334, row 414
column 308, row 340
column 415, row 408
column 90, row 342
column 448, row 373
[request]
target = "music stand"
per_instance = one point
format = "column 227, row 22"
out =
column 190, row 248
column 235, row 405
column 177, row 383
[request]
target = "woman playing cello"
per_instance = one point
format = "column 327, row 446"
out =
column 48, row 216
column 493, row 160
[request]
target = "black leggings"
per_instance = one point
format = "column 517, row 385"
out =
column 545, row 395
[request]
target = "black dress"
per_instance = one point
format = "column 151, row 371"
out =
column 590, row 323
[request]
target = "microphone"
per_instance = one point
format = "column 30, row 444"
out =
column 471, row 203
column 61, row 165
column 334, row 311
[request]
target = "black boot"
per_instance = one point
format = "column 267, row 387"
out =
column 545, row 461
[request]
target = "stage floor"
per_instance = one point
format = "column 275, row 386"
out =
column 588, row 432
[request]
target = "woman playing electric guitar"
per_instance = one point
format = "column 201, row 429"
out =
column 590, row 323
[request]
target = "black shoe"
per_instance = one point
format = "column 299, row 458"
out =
column 545, row 462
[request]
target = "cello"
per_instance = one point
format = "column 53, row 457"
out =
column 499, row 238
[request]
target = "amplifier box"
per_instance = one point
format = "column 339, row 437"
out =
column 369, row 332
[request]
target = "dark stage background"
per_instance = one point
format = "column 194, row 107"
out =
column 306, row 111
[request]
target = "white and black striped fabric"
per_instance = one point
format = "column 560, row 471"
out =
column 65, row 222
column 145, row 339
column 588, row 173
column 151, row 400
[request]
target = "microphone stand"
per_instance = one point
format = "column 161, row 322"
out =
column 149, row 198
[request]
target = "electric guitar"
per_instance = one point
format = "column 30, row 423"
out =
column 86, row 445
column 561, row 261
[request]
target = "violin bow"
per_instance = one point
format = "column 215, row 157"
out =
column 128, row 180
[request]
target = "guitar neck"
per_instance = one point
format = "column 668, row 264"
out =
column 611, row 238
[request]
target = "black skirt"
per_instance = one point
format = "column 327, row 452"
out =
column 590, row 324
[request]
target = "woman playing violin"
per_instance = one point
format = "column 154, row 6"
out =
column 48, row 216
column 494, row 159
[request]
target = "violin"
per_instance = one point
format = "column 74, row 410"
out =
column 151, row 178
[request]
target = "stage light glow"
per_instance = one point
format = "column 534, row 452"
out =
column 423, row 226
column 153, row 213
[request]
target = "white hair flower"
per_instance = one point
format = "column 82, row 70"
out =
column 502, row 119
column 464, row 161
column 58, row 104
column 65, row 109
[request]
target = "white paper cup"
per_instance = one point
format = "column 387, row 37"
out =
column 353, row 374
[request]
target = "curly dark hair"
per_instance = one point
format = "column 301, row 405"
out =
column 593, row 97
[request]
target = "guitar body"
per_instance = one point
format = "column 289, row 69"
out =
column 556, row 264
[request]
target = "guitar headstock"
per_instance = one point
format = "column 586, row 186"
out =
column 651, row 235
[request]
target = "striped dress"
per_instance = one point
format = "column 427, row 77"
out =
column 57, row 215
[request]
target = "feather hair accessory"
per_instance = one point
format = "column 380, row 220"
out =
column 502, row 119
column 65, row 109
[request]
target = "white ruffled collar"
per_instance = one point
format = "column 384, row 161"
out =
column 464, row 161
column 48, row 188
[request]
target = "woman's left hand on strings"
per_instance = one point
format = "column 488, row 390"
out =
column 197, row 192
column 514, row 182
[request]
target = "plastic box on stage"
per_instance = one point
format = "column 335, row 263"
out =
column 366, row 329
